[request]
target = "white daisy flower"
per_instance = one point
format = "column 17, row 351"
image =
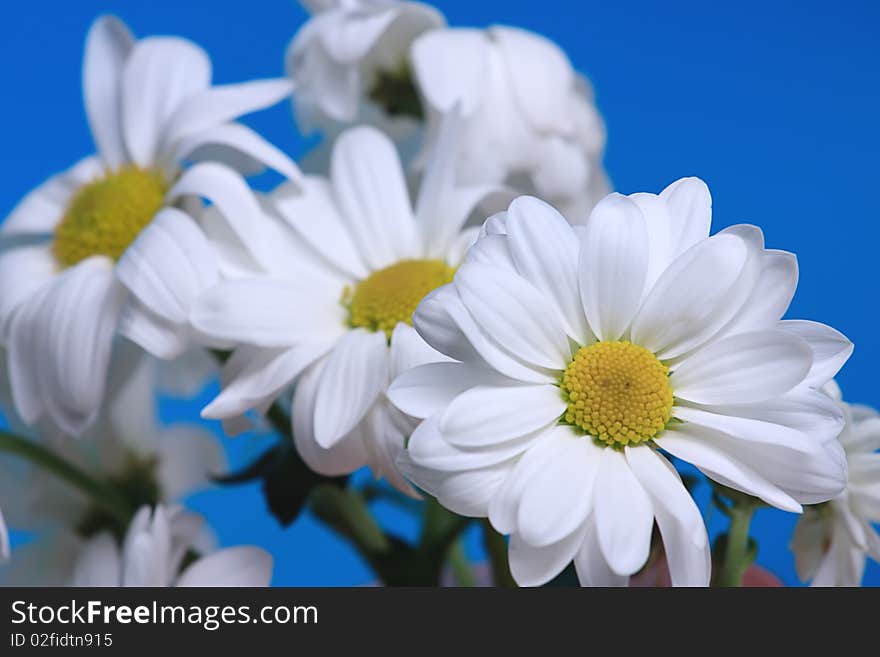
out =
column 351, row 259
column 529, row 119
column 149, row 463
column 582, row 352
column 351, row 55
column 832, row 540
column 156, row 544
column 151, row 107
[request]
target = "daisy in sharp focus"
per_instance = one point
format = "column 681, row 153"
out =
column 151, row 108
column 581, row 353
column 156, row 545
column 832, row 541
column 351, row 259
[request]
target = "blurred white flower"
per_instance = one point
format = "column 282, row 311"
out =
column 581, row 352
column 153, row 553
column 831, row 541
column 148, row 462
column 330, row 304
column 151, row 107
column 529, row 119
column 352, row 54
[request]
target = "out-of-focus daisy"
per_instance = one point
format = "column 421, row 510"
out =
column 529, row 119
column 581, row 353
column 349, row 62
column 332, row 308
column 151, row 108
column 127, row 447
column 156, row 544
column 832, row 541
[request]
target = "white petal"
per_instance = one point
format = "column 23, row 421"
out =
column 772, row 295
column 236, row 145
column 408, row 350
column 154, row 334
column 212, row 106
column 613, row 266
column 696, row 296
column 168, row 265
column 678, row 518
column 450, row 67
column 159, row 74
column 428, row 449
column 188, row 458
column 99, row 563
column 345, row 456
column 355, row 374
column 703, row 448
column 743, row 368
column 592, row 569
column 264, row 374
column 371, row 190
column 235, row 566
column 540, row 75
column 108, row 44
column 689, row 204
column 310, row 209
column 534, row 566
column 559, row 497
column 63, row 349
column 487, row 415
column 425, row 390
column 265, row 312
column 624, row 514
column 515, row 314
column 23, row 271
column 4, row 538
column 831, row 349
column 811, row 534
column 384, row 432
column 545, row 251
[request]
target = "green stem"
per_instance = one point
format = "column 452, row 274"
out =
column 737, row 554
column 461, row 567
column 101, row 493
column 496, row 546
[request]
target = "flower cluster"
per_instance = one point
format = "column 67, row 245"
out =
column 451, row 296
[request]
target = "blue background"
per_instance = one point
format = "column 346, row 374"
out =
column 775, row 104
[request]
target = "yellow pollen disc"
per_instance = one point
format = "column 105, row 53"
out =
column 390, row 295
column 105, row 216
column 617, row 392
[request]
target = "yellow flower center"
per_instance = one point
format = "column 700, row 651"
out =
column 618, row 393
column 106, row 215
column 390, row 295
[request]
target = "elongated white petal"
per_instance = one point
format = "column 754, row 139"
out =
column 168, row 265
column 689, row 204
column 613, row 266
column 743, row 368
column 534, row 566
column 99, row 563
column 450, row 67
column 371, row 191
column 487, row 415
column 153, row 333
column 559, row 497
column 624, row 514
column 678, row 518
column 831, row 349
column 108, row 44
column 235, row 566
column 355, row 374
column 346, row 456
column 590, row 564
column 408, row 350
column 701, row 447
column 545, row 252
column 695, row 297
column 772, row 295
column 515, row 314
column 23, row 271
column 160, row 73
column 427, row 389
column 216, row 105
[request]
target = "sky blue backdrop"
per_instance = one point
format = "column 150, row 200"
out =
column 775, row 104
